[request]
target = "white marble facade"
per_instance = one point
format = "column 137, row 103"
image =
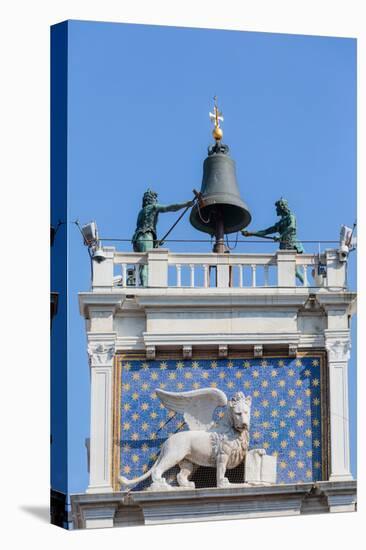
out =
column 258, row 318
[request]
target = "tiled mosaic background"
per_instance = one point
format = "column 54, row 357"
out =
column 285, row 413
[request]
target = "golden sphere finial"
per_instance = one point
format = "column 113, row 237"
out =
column 217, row 133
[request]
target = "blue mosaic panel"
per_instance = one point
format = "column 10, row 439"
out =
column 285, row 413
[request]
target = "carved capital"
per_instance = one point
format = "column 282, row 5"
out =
column 338, row 349
column 258, row 351
column 101, row 353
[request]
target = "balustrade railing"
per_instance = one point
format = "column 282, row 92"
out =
column 207, row 270
column 127, row 268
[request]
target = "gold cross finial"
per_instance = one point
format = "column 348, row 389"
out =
column 216, row 117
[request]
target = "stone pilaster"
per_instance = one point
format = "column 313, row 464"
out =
column 337, row 344
column 101, row 355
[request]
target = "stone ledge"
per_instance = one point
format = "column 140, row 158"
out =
column 191, row 505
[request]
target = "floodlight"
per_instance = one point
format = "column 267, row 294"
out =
column 91, row 240
column 345, row 235
column 90, row 233
column 346, row 243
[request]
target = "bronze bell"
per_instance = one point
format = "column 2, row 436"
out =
column 219, row 210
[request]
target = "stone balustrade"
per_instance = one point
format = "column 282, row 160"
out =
column 208, row 270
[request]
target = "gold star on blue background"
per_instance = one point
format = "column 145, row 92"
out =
column 285, row 414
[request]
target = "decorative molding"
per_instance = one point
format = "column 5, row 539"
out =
column 101, row 313
column 127, row 343
column 110, row 300
column 196, row 298
column 212, row 297
column 138, row 343
column 223, row 351
column 341, row 502
column 187, row 352
column 203, row 339
column 311, row 341
column 222, row 338
column 335, row 299
column 149, row 507
column 98, row 517
column 258, row 351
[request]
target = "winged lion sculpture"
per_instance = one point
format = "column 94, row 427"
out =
column 222, row 445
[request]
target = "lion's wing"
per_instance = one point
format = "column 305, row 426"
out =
column 197, row 406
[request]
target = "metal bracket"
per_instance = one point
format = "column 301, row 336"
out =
column 292, row 350
column 150, row 352
column 258, row 351
column 187, row 352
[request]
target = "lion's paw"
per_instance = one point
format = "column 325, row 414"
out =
column 184, row 482
column 160, row 485
column 224, row 482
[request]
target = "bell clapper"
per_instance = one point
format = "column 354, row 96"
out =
column 220, row 246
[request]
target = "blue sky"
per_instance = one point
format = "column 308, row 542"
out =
column 138, row 103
